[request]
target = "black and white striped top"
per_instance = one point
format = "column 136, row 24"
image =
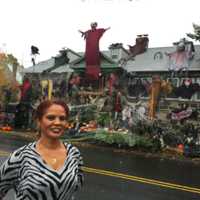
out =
column 33, row 179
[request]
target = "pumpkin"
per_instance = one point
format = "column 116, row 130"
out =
column 3, row 128
column 6, row 128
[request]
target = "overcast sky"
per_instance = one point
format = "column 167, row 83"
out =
column 53, row 24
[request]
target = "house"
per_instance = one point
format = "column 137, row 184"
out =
column 154, row 61
column 68, row 62
column 55, row 68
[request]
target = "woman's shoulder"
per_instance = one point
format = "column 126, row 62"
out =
column 24, row 149
column 71, row 148
column 18, row 155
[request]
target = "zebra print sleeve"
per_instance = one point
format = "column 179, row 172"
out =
column 80, row 171
column 9, row 172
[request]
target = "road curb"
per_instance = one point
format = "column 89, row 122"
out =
column 30, row 136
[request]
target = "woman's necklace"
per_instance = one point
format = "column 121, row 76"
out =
column 53, row 160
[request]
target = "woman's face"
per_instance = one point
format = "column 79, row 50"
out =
column 52, row 124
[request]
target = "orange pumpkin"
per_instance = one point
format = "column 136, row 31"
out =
column 3, row 128
column 8, row 128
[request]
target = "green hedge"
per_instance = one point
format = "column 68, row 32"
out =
column 125, row 140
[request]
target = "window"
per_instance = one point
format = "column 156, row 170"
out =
column 175, row 83
column 197, row 95
column 138, row 87
column 114, row 56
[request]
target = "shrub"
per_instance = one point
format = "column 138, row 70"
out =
column 124, row 140
column 103, row 119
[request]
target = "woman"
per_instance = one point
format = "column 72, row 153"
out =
column 47, row 168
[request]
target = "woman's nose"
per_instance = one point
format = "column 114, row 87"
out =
column 57, row 120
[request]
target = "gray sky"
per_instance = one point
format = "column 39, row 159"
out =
column 53, row 24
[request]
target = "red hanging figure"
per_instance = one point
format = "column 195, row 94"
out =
column 112, row 81
column 25, row 89
column 92, row 53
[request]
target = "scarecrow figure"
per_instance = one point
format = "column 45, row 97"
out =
column 157, row 86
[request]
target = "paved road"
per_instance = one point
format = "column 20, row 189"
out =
column 129, row 177
column 113, row 175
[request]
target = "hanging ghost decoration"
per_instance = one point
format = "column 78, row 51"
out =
column 181, row 58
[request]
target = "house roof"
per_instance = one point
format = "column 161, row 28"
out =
column 63, row 69
column 50, row 64
column 40, row 67
column 81, row 61
column 107, row 64
column 155, row 59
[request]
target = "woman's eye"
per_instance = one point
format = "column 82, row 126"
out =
column 63, row 118
column 51, row 117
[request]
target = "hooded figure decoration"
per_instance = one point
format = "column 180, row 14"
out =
column 92, row 53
